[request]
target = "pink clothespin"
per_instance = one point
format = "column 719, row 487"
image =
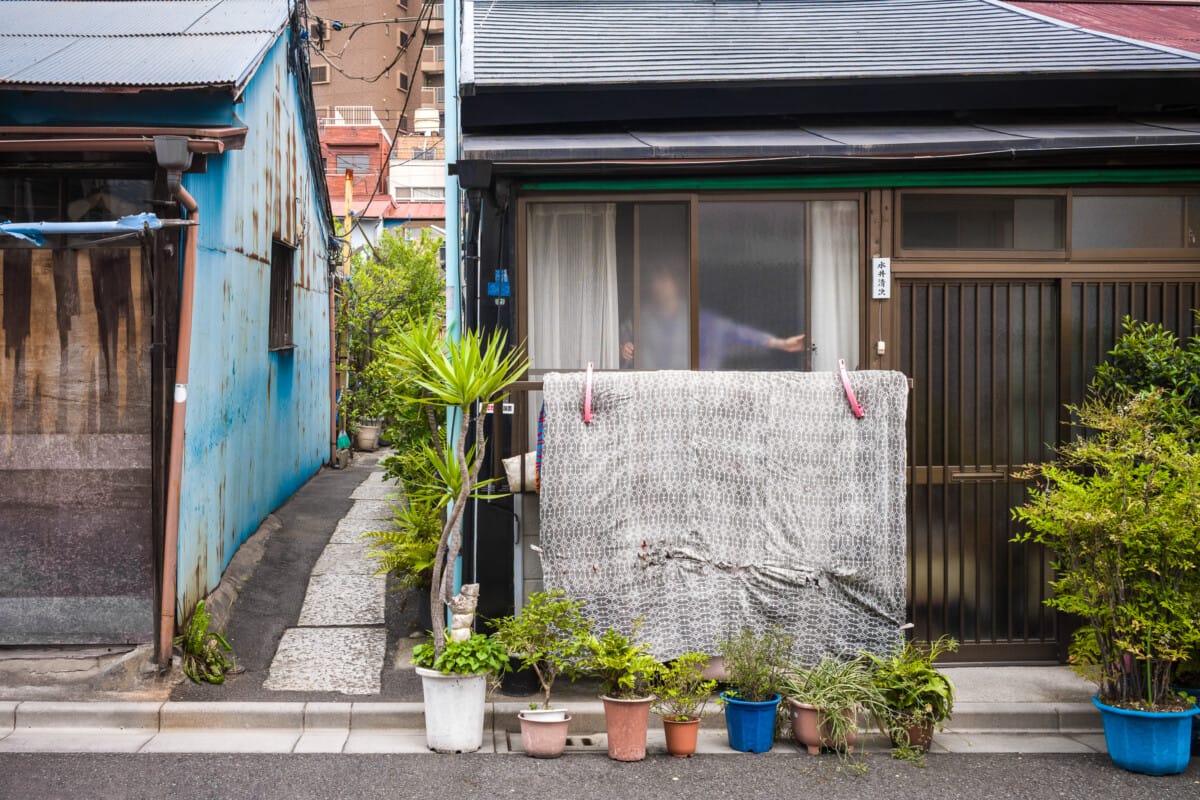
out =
column 587, row 396
column 850, row 398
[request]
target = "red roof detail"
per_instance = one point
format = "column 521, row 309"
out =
column 1169, row 24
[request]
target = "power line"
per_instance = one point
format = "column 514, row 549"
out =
column 427, row 17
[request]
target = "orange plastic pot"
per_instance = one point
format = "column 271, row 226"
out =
column 681, row 736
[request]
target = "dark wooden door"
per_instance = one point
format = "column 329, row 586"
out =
column 984, row 358
column 993, row 364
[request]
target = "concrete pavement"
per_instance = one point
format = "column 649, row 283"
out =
column 486, row 777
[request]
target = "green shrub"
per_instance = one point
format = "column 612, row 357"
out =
column 549, row 636
column 756, row 663
column 1120, row 511
column 623, row 665
column 477, row 655
column 913, row 691
column 680, row 689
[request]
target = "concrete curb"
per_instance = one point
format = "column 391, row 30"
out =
column 33, row 715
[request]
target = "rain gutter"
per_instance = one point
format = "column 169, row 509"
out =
column 174, row 155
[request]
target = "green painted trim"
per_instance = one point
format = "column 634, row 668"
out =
column 877, row 180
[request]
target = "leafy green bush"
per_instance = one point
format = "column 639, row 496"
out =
column 550, row 636
column 1120, row 511
column 207, row 655
column 680, row 690
column 623, row 665
column 478, row 655
column 913, row 691
column 756, row 664
column 1148, row 357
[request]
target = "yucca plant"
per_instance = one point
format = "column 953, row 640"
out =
column 461, row 377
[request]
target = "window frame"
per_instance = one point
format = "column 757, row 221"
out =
column 281, row 297
column 1131, row 253
column 693, row 199
column 338, row 169
column 938, row 254
column 326, row 71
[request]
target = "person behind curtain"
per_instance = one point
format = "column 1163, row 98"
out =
column 665, row 326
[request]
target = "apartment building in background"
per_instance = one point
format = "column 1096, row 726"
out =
column 373, row 82
column 382, row 72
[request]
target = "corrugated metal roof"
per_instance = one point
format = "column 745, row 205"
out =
column 1175, row 25
column 138, row 43
column 847, row 142
column 562, row 42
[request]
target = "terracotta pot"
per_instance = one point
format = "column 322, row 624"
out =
column 626, row 722
column 920, row 736
column 543, row 738
column 681, row 736
column 805, row 729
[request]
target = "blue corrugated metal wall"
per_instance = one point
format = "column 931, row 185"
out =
column 257, row 421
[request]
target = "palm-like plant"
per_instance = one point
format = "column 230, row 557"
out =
column 462, row 377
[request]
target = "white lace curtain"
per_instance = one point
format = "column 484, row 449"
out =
column 834, row 293
column 572, row 272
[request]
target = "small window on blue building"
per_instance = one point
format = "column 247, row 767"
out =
column 283, row 261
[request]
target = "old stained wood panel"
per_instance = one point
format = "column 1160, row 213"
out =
column 75, row 460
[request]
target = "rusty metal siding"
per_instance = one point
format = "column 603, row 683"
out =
column 257, row 421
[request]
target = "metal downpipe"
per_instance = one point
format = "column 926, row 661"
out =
column 166, row 629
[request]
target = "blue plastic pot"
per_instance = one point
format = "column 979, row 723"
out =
column 1195, row 693
column 751, row 726
column 1150, row 742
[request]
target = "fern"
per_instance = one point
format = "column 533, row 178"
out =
column 207, row 655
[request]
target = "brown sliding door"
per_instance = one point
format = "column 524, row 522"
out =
column 983, row 355
column 993, row 363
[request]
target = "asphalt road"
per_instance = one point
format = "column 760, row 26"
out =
column 579, row 777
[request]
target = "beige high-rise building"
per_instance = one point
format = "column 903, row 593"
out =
column 378, row 72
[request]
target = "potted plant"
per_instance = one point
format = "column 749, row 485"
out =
column 1120, row 512
column 755, row 665
column 549, row 636
column 626, row 670
column 455, row 684
column 825, row 701
column 917, row 698
column 680, row 695
column 1187, row 678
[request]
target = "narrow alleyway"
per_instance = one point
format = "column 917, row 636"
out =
column 339, row 643
column 313, row 621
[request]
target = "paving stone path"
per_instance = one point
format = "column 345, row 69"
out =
column 340, row 642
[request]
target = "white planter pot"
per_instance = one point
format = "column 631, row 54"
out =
column 454, row 706
column 544, row 714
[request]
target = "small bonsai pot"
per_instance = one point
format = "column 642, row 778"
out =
column 543, row 738
column 626, row 722
column 681, row 736
column 813, row 733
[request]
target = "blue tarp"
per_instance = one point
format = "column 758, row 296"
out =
column 36, row 231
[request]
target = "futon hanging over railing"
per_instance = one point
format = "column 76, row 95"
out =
column 703, row 502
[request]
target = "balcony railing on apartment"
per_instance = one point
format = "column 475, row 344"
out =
column 439, row 94
column 434, row 59
column 351, row 115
